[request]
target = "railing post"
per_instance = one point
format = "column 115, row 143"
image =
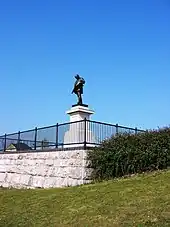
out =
column 56, row 136
column 35, row 139
column 136, row 131
column 85, row 130
column 117, row 129
column 5, row 143
column 18, row 142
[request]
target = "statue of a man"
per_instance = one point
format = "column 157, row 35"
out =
column 78, row 88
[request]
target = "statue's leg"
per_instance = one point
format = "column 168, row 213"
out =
column 79, row 98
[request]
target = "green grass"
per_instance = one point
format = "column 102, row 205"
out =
column 142, row 200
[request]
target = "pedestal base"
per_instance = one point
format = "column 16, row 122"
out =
column 79, row 129
column 74, row 138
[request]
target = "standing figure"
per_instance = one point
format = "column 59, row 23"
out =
column 78, row 88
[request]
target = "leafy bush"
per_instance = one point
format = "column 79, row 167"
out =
column 126, row 154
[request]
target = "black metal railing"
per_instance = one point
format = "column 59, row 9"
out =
column 84, row 133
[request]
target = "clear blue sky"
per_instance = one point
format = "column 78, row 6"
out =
column 121, row 48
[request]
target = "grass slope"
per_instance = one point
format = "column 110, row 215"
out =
column 142, row 200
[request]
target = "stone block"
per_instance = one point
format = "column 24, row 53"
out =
column 15, row 179
column 64, row 162
column 5, row 184
column 13, row 161
column 15, row 169
column 71, row 154
column 12, row 169
column 39, row 161
column 31, row 162
column 49, row 182
column 4, row 156
column 29, row 155
column 21, row 156
column 12, row 156
column 41, row 170
column 49, row 162
column 75, row 162
column 59, row 182
column 54, row 171
column 87, row 181
column 25, row 179
column 54, row 155
column 2, row 161
column 3, row 168
column 65, row 182
column 56, row 162
column 61, row 172
column 75, row 172
column 50, row 171
column 45, row 155
column 68, row 162
column 34, row 155
column 38, row 181
column 64, row 154
column 32, row 170
column 72, row 182
column 2, row 177
column 19, row 162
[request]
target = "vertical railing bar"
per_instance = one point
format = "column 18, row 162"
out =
column 5, row 144
column 82, row 135
column 117, row 129
column 100, row 133
column 88, row 133
column 35, row 139
column 57, row 135
column 85, row 133
column 18, row 142
column 108, row 132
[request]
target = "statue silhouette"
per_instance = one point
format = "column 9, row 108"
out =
column 78, row 88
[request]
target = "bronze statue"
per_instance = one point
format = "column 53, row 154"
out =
column 78, row 88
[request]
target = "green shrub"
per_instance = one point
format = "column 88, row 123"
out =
column 126, row 154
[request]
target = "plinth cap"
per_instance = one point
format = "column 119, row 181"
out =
column 80, row 108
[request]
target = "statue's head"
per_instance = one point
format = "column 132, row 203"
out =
column 77, row 77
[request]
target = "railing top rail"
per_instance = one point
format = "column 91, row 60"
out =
column 16, row 133
column 12, row 134
column 115, row 125
column 30, row 130
column 60, row 124
column 139, row 130
column 46, row 127
column 69, row 123
column 102, row 123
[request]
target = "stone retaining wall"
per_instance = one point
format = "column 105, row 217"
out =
column 44, row 169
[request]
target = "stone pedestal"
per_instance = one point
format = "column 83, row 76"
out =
column 79, row 128
column 78, row 113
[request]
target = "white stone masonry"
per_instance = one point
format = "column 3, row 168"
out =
column 44, row 169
